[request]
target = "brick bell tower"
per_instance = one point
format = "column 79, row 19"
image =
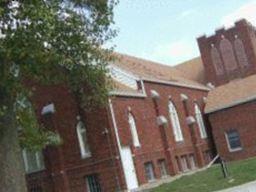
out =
column 229, row 54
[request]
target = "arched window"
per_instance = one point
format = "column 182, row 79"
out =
column 82, row 139
column 228, row 55
column 200, row 122
column 133, row 129
column 240, row 53
column 217, row 61
column 33, row 160
column 175, row 122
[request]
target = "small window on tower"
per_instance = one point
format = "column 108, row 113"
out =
column 216, row 60
column 228, row 55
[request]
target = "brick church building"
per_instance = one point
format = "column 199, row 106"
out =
column 160, row 121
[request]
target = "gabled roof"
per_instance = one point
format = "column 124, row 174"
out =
column 231, row 94
column 193, row 69
column 149, row 70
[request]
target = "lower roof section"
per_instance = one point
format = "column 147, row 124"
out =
column 231, row 94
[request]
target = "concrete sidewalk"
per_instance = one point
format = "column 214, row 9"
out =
column 248, row 187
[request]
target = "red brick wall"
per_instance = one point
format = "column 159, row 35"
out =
column 40, row 181
column 241, row 118
column 64, row 163
column 143, row 109
column 66, row 158
column 246, row 33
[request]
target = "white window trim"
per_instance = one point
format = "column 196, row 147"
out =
column 26, row 163
column 83, row 152
column 133, row 129
column 152, row 173
column 123, row 76
column 192, row 160
column 229, row 147
column 174, row 117
column 200, row 122
column 184, row 164
column 162, row 166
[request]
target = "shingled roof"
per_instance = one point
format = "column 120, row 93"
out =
column 234, row 93
column 193, row 69
column 149, row 70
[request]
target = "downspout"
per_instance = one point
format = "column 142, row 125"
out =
column 114, row 124
column 116, row 134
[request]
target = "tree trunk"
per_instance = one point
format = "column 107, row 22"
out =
column 12, row 174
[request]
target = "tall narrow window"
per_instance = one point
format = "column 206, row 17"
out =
column 240, row 53
column 82, row 139
column 175, row 122
column 228, row 55
column 33, row 161
column 135, row 137
column 216, row 60
column 200, row 122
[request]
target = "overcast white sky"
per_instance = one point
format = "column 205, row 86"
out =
column 166, row 30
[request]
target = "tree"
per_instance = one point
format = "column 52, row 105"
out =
column 47, row 41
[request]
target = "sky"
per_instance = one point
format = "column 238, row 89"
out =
column 165, row 31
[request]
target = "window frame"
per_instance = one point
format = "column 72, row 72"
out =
column 151, row 173
column 175, row 122
column 217, row 62
column 184, row 163
column 80, row 129
column 228, row 55
column 163, row 168
column 228, row 141
column 200, row 122
column 133, row 129
column 40, row 165
column 192, row 160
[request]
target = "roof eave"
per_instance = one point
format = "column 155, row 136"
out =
column 176, row 84
column 127, row 94
column 242, row 101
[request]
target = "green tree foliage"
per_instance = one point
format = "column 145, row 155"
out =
column 52, row 41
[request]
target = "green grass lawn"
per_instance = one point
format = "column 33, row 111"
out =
column 212, row 178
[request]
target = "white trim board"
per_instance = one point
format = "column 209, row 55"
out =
column 127, row 94
column 176, row 84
